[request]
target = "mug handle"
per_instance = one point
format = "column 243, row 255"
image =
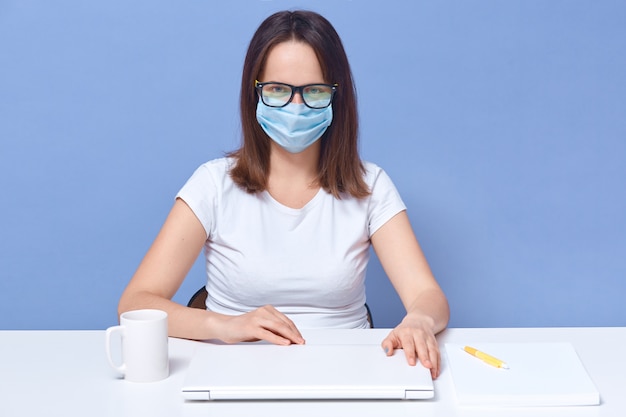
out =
column 110, row 331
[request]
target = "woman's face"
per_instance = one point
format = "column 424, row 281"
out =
column 294, row 63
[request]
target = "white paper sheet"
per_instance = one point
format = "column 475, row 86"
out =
column 540, row 374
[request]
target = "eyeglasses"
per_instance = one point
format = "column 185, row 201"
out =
column 315, row 96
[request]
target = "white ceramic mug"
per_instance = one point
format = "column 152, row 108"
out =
column 144, row 345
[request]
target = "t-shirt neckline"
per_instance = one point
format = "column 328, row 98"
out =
column 290, row 210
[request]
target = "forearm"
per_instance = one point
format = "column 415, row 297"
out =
column 183, row 322
column 431, row 306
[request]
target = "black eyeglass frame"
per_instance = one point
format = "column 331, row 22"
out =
column 295, row 89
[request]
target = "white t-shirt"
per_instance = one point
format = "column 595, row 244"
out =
column 308, row 263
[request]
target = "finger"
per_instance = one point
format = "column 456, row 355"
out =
column 279, row 324
column 272, row 337
column 423, row 353
column 285, row 332
column 269, row 330
column 428, row 353
column 289, row 328
column 435, row 356
column 408, row 344
column 292, row 328
column 388, row 345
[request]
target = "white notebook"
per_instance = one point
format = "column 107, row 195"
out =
column 264, row 371
column 539, row 374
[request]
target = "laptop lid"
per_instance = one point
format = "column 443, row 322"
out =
column 265, row 371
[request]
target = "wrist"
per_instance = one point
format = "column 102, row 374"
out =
column 415, row 318
column 213, row 325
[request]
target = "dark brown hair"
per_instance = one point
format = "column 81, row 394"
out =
column 340, row 168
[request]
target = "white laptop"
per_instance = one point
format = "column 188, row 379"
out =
column 269, row 372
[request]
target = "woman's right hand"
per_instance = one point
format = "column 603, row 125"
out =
column 264, row 323
column 163, row 270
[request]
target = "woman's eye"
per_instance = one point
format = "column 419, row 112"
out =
column 316, row 90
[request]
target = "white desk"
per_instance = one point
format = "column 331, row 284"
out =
column 65, row 373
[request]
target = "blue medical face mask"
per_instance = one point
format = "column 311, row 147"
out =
column 294, row 127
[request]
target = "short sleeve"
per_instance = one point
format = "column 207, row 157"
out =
column 200, row 193
column 385, row 201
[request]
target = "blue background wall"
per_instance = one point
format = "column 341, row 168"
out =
column 503, row 124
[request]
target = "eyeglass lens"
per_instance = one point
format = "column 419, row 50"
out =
column 314, row 95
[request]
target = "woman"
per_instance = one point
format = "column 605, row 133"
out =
column 286, row 221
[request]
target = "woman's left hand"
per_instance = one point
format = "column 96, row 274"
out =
column 416, row 337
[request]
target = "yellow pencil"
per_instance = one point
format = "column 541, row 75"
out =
column 486, row 358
